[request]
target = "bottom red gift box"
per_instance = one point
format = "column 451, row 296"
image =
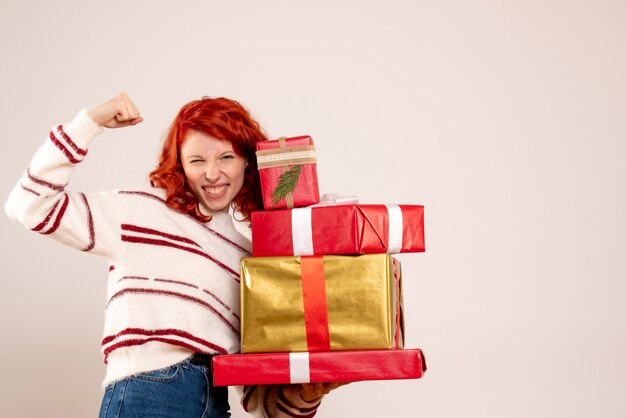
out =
column 322, row 366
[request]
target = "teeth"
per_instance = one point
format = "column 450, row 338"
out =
column 215, row 191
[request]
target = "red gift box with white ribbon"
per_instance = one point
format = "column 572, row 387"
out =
column 341, row 229
column 313, row 367
column 288, row 172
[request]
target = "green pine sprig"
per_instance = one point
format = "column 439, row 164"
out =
column 286, row 183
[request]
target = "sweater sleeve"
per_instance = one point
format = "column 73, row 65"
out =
column 41, row 202
column 277, row 401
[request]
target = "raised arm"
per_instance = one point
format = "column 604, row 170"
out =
column 118, row 112
column 40, row 200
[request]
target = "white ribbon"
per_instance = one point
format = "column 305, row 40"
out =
column 302, row 231
column 301, row 226
column 334, row 199
column 395, row 229
column 299, row 368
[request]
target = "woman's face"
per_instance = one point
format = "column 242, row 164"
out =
column 213, row 170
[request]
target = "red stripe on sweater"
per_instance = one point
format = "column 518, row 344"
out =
column 144, row 194
column 47, row 218
column 293, row 414
column 43, row 223
column 222, row 237
column 34, row 179
column 135, row 228
column 29, row 190
column 250, row 390
column 158, row 292
column 63, row 149
column 158, row 242
column 183, row 284
column 132, row 278
column 59, row 217
column 176, row 282
column 92, row 232
column 216, row 298
column 266, row 400
column 71, row 143
column 162, row 332
column 129, row 343
column 211, row 231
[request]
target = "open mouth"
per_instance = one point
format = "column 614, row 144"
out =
column 215, row 192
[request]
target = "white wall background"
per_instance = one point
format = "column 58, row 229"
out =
column 506, row 119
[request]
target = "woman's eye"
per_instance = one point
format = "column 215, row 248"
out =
column 195, row 161
column 228, row 157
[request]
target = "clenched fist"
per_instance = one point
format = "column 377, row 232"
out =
column 118, row 112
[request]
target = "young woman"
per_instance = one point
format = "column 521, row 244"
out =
column 173, row 252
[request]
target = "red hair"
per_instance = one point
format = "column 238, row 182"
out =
column 220, row 118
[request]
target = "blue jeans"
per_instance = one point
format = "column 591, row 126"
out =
column 184, row 390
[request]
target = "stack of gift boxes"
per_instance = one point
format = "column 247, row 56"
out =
column 321, row 298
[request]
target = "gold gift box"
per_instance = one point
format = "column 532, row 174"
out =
column 363, row 299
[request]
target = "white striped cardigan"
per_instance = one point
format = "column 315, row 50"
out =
column 173, row 282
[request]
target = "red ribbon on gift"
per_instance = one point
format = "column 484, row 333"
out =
column 314, row 299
